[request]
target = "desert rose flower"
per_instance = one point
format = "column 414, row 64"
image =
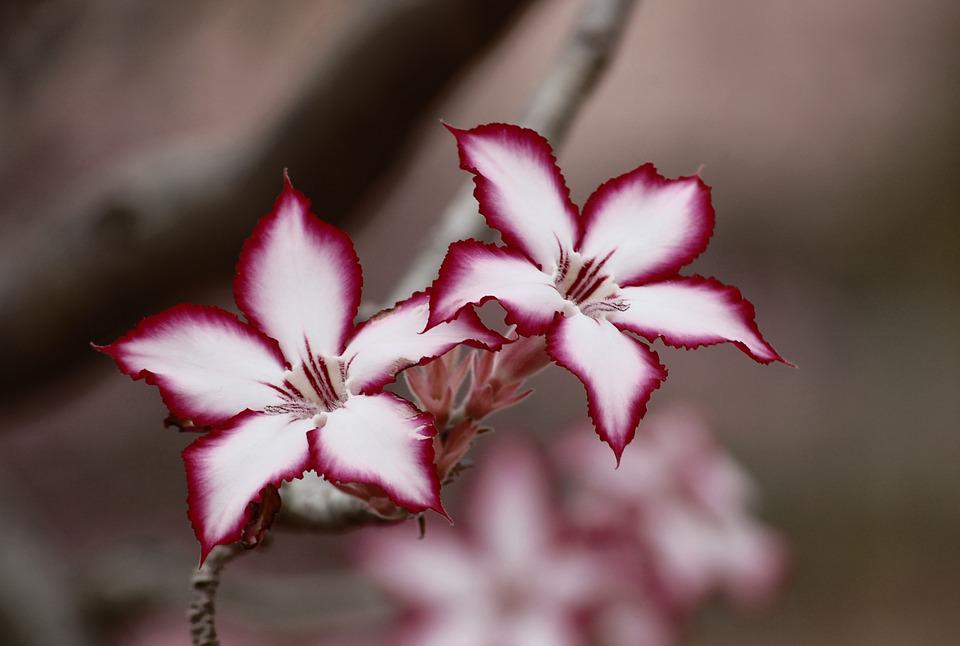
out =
column 585, row 278
column 297, row 386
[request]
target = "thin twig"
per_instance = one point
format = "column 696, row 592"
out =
column 559, row 98
column 204, row 583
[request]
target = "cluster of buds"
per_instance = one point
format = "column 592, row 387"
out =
column 462, row 388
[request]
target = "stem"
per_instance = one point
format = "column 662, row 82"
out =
column 204, row 583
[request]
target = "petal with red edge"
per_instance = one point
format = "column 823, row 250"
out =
column 299, row 279
column 619, row 373
column 473, row 273
column 393, row 340
column 690, row 312
column 228, row 467
column 208, row 365
column 651, row 224
column 520, row 190
column 384, row 441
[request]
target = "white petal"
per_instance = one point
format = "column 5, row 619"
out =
column 619, row 373
column 520, row 189
column 299, row 279
column 227, row 468
column 695, row 311
column 208, row 365
column 394, row 339
column 651, row 225
column 384, row 441
column 474, row 272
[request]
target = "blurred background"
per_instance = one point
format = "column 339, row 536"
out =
column 139, row 143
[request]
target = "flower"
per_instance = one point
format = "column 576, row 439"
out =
column 298, row 386
column 683, row 502
column 585, row 278
column 513, row 577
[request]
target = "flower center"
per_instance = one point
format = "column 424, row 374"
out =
column 582, row 282
column 314, row 386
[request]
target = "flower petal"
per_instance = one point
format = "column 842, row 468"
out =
column 228, row 467
column 619, row 373
column 473, row 273
column 652, row 225
column 299, row 279
column 520, row 190
column 695, row 311
column 438, row 570
column 392, row 340
column 208, row 365
column 384, row 441
column 510, row 510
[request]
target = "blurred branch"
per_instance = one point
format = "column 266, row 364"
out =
column 204, row 582
column 562, row 93
column 83, row 266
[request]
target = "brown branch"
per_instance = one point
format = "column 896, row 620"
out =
column 204, row 584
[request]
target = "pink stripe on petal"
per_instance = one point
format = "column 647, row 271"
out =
column 392, row 340
column 384, row 441
column 207, row 364
column 299, row 277
column 619, row 373
column 473, row 273
column 692, row 312
column 228, row 467
column 520, row 189
column 652, row 225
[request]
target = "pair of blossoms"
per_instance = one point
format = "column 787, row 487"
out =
column 299, row 387
column 623, row 558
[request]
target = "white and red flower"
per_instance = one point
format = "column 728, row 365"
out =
column 297, row 386
column 585, row 278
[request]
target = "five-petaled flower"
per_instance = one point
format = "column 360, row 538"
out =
column 298, row 386
column 585, row 278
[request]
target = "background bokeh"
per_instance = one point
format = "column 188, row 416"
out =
column 139, row 142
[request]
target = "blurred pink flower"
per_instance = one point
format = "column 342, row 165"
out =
column 584, row 279
column 687, row 503
column 513, row 577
